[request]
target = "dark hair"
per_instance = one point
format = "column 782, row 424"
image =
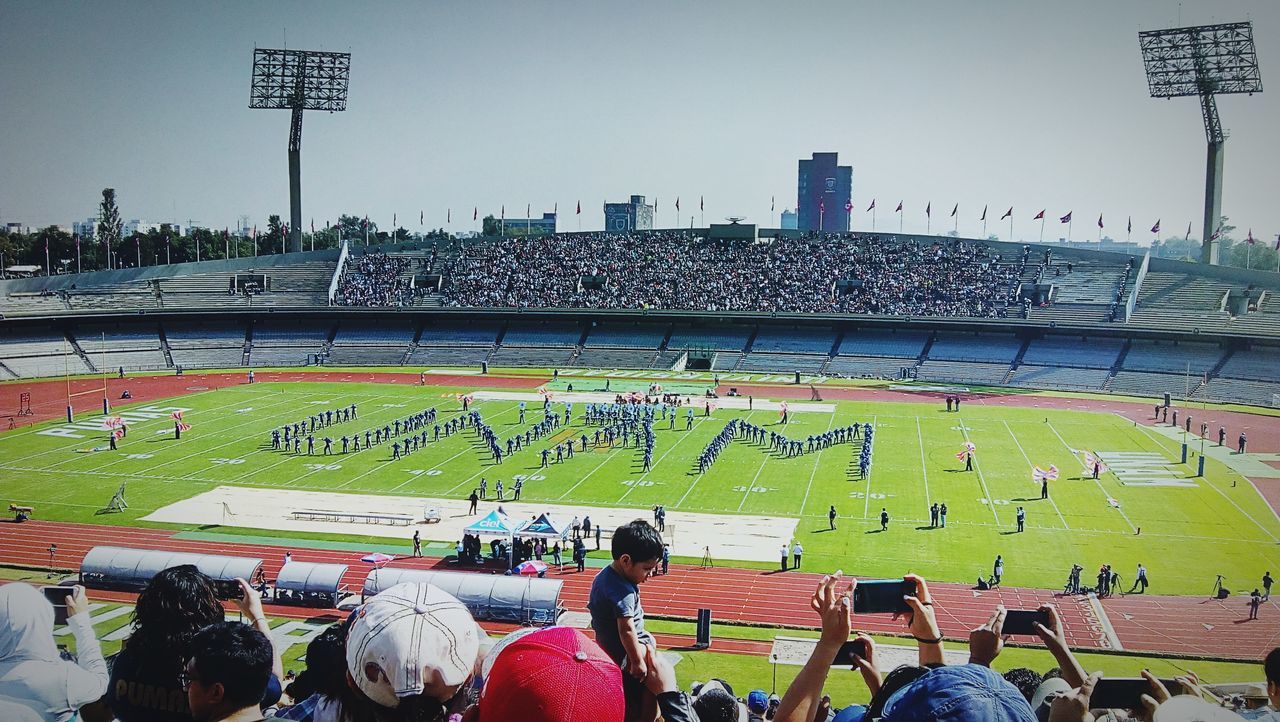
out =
column 639, row 540
column 175, row 604
column 894, row 681
column 1272, row 666
column 1026, row 680
column 326, row 670
column 716, row 705
column 236, row 656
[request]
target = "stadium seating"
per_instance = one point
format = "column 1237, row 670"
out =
column 130, row 348
column 205, row 346
column 448, row 356
column 1260, row 393
column 1260, row 363
column 1172, row 357
column 611, row 358
column 460, row 334
column 30, row 355
column 365, row 345
column 1142, row 383
column 624, row 335
column 543, row 334
column 868, row 366
column 709, row 338
column 985, row 374
column 527, row 356
column 797, row 341
column 901, row 344
column 1058, row 377
column 1083, row 352
column 782, row 362
column 990, row 348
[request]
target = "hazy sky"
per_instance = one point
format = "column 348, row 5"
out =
column 461, row 104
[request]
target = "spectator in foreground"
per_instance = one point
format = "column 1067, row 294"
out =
column 616, row 615
column 555, row 674
column 32, row 671
column 176, row 604
column 227, row 673
column 411, row 653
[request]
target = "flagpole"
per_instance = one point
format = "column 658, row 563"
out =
column 1011, row 226
column 873, row 219
column 984, row 225
column 1042, row 229
column 1069, row 229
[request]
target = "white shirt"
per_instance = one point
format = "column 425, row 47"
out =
column 797, row 549
column 785, row 550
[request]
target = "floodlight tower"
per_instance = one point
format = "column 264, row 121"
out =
column 1204, row 61
column 298, row 80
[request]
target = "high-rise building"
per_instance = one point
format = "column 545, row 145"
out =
column 544, row 226
column 633, row 216
column 823, row 192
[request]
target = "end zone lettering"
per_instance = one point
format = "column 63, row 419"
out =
column 132, row 416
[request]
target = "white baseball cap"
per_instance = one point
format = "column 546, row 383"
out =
column 412, row 639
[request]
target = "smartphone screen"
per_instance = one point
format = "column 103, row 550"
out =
column 1125, row 692
column 850, row 652
column 227, row 589
column 1022, row 621
column 57, row 596
column 881, row 596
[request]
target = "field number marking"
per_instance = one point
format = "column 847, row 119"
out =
column 220, row 460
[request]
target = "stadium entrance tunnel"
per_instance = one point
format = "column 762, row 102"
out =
column 489, row 597
column 125, row 569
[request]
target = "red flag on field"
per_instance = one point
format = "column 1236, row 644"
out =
column 183, row 427
column 1156, row 227
column 176, row 416
column 1039, row 216
column 1006, row 213
column 1066, row 218
column 955, row 208
column 872, row 207
column 899, row 208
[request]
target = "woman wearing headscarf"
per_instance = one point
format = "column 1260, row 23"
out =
column 32, row 672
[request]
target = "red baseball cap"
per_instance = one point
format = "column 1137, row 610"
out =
column 555, row 674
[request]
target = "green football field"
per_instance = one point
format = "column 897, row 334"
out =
column 1191, row 528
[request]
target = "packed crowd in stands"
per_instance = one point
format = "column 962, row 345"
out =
column 414, row 653
column 676, row 270
column 373, row 279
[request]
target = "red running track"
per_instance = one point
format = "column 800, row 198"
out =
column 733, row 595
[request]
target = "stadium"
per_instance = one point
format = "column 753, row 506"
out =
column 1022, row 424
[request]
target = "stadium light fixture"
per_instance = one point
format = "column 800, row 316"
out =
column 298, row 80
column 1204, row 61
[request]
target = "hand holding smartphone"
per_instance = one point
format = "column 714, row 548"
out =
column 882, row 596
column 57, row 596
column 1023, row 621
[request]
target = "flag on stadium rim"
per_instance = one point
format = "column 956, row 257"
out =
column 872, row 207
column 1130, row 229
column 1251, row 240
column 1278, row 241
column 822, row 205
column 955, row 208
column 928, row 209
column 1006, row 213
column 313, row 225
column 475, row 212
column 1039, row 216
column 1217, row 233
column 394, row 223
column 1050, row 474
column 984, row 214
column 848, row 206
column 448, row 216
column 899, row 208
column 677, row 204
column 1066, row 218
column 504, row 211
column 1100, row 220
column 1188, row 236
column 579, row 207
column 772, row 202
column 1156, row 227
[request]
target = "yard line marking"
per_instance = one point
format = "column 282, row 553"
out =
column 924, row 469
column 1220, row 492
column 660, row 458
column 470, row 447
column 696, row 479
column 89, row 435
column 1101, row 488
column 1028, row 459
column 814, row 473
column 981, row 479
column 866, row 504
